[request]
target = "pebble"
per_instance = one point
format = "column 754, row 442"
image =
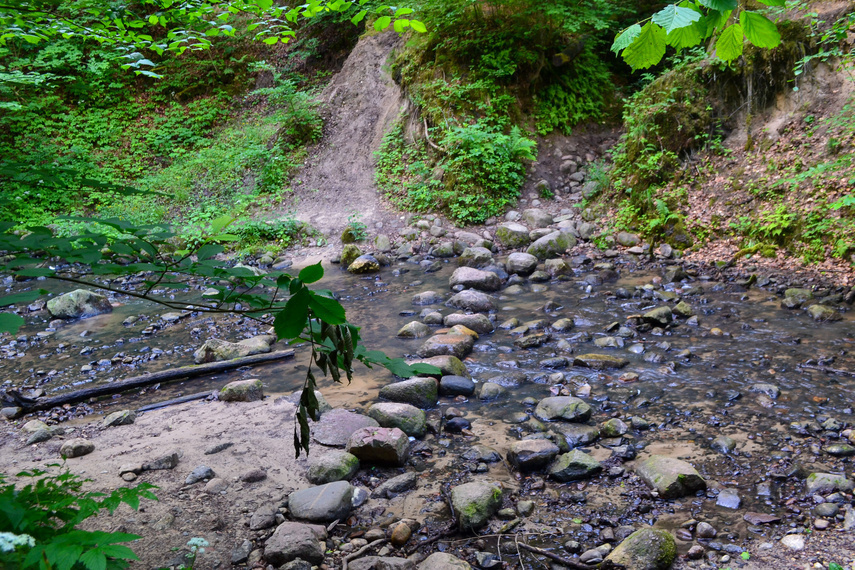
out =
column 794, row 542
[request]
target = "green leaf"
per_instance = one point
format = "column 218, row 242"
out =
column 311, row 274
column 760, row 30
column 153, row 20
column 208, row 251
column 418, row 26
column 382, row 23
column 264, row 4
column 359, row 17
column 24, row 297
column 674, row 17
column 399, row 25
column 327, row 309
column 835, row 566
column 271, row 41
column 773, row 2
column 94, row 560
column 687, row 37
column 403, row 12
column 291, row 321
column 720, row 5
column 730, row 43
column 626, row 38
column 221, row 223
column 647, row 49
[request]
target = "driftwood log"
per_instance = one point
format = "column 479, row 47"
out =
column 28, row 405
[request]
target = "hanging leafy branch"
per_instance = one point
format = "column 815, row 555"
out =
column 691, row 23
column 161, row 26
column 296, row 312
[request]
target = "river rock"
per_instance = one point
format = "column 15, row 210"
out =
column 825, row 483
column 120, row 418
column 414, row 329
column 532, row 340
column 671, row 477
column 364, row 264
column 475, row 503
column 477, row 257
column 797, row 295
column 627, row 239
column 458, row 345
column 769, row 390
column 473, row 301
column 552, row 245
column 821, row 313
column 396, row 485
column 79, row 303
column 531, row 454
column 382, row 563
column 336, row 426
column 477, row 322
column 660, row 316
column 472, row 278
column 645, row 549
column 723, row 444
column 379, row 445
column 574, row 466
column 448, row 365
column 729, row 499
column 443, row 561
column 537, row 218
column 330, row 466
column 421, row 392
column 216, row 350
column 566, row 408
column 794, row 542
column 481, row 454
column 614, row 427
column 162, row 463
column 349, row 254
column 324, row 503
column 242, row 391
column 491, row 391
column 199, row 474
column 293, row 540
column 456, row 386
column 263, row 517
column 512, row 235
column 599, row 361
column 427, row 298
column 405, row 417
column 576, row 435
column 77, row 447
column 556, row 268
column 521, row 263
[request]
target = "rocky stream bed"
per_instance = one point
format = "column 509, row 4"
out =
column 595, row 408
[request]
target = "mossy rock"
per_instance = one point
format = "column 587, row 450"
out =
column 349, row 255
column 645, row 549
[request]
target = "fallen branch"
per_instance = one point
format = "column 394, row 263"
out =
column 174, row 401
column 427, row 137
column 146, row 380
column 828, row 370
column 359, row 552
column 554, row 557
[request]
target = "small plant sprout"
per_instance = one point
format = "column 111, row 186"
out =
column 197, row 546
column 745, row 555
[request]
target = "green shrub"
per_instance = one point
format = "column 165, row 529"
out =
column 41, row 520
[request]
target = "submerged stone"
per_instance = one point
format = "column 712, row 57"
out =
column 671, row 477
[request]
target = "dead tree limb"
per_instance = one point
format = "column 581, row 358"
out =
column 146, row 380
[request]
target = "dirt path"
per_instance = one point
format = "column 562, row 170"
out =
column 360, row 103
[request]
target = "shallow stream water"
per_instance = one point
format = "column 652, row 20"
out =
column 742, row 339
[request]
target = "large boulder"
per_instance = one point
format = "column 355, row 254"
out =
column 79, row 303
column 336, row 426
column 477, row 257
column 645, row 549
column 475, row 503
column 380, row 445
column 443, row 561
column 349, row 254
column 537, row 218
column 216, row 350
column 77, row 447
column 414, row 329
column 512, row 235
column 574, row 466
column 330, row 466
column 521, row 263
column 364, row 264
column 554, row 244
column 448, row 365
column 477, row 322
column 409, row 419
column 672, row 478
column 599, row 361
column 421, row 392
column 567, row 408
column 293, row 540
column 242, row 391
column 472, row 278
column 531, row 454
column 474, row 301
column 458, row 345
column 324, row 503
